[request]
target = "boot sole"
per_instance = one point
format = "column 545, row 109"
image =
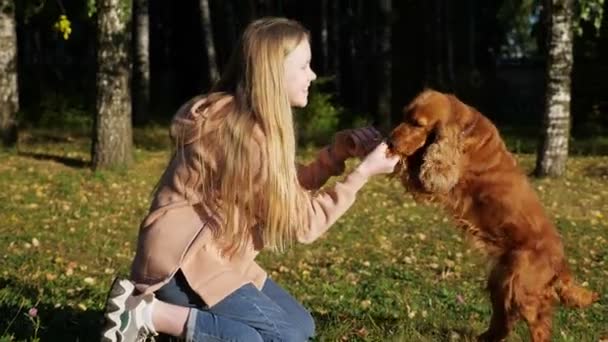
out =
column 115, row 305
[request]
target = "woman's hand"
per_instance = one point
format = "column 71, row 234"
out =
column 356, row 142
column 378, row 162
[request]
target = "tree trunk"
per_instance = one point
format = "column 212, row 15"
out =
column 335, row 42
column 208, row 34
column 324, row 38
column 439, row 45
column 9, row 97
column 233, row 25
column 359, row 57
column 113, row 139
column 141, row 65
column 428, row 43
column 449, row 44
column 385, row 67
column 553, row 146
column 471, row 35
column 253, row 9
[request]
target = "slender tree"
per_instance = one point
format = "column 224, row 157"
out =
column 428, row 43
column 232, row 23
column 324, row 37
column 449, row 29
column 9, row 100
column 208, row 34
column 438, row 35
column 553, row 145
column 385, row 66
column 335, row 43
column 141, row 62
column 471, row 5
column 113, row 137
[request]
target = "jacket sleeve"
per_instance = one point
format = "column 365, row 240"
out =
column 325, row 206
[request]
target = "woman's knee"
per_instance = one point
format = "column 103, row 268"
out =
column 306, row 324
column 298, row 330
column 233, row 334
column 244, row 335
column 296, row 326
column 206, row 326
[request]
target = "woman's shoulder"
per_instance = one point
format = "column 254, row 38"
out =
column 204, row 106
column 198, row 113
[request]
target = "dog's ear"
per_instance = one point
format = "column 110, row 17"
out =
column 441, row 166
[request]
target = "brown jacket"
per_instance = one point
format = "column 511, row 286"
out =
column 175, row 234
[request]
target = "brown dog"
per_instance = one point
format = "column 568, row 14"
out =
column 452, row 154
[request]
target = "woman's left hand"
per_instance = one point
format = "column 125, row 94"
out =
column 357, row 142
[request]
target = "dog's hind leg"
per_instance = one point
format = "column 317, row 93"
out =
column 535, row 297
column 532, row 291
column 537, row 311
column 501, row 293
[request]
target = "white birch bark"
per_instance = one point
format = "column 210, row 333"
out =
column 553, row 147
column 9, row 96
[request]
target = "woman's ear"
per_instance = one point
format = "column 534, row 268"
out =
column 441, row 165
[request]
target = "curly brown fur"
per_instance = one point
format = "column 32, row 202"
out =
column 453, row 155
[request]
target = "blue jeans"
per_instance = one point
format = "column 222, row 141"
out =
column 247, row 314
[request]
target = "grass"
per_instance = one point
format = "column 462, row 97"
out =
column 389, row 270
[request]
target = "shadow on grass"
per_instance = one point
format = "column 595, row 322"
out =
column 55, row 323
column 597, row 171
column 70, row 162
column 153, row 137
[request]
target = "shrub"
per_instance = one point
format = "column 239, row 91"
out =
column 317, row 122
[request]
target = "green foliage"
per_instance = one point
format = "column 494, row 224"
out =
column 91, row 8
column 63, row 26
column 517, row 17
column 74, row 119
column 60, row 112
column 317, row 122
column 590, row 11
column 32, row 8
column 583, row 142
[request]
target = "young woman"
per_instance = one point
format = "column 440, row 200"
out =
column 231, row 189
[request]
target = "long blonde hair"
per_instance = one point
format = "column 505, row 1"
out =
column 254, row 77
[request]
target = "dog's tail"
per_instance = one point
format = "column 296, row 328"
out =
column 572, row 294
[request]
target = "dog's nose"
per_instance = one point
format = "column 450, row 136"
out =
column 389, row 142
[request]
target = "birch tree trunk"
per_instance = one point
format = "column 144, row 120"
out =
column 113, row 138
column 9, row 96
column 141, row 63
column 553, row 146
column 208, row 34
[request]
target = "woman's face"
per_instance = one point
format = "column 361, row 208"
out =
column 298, row 74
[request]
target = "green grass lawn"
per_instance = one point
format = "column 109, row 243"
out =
column 389, row 270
